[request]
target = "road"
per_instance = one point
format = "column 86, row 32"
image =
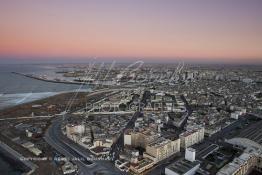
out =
column 78, row 154
column 19, row 118
column 188, row 110
column 119, row 144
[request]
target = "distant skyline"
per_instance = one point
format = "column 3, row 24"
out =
column 228, row 31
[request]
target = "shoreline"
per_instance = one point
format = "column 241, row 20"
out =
column 99, row 83
column 21, row 98
column 4, row 112
column 13, row 100
column 47, row 80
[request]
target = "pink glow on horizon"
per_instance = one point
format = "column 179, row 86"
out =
column 138, row 29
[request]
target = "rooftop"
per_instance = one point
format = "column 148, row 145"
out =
column 182, row 166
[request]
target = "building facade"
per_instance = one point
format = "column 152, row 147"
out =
column 192, row 137
column 162, row 148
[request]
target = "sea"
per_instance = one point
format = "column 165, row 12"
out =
column 17, row 89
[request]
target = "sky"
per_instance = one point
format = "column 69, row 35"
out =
column 195, row 30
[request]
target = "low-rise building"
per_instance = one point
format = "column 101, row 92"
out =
column 35, row 151
column 142, row 165
column 69, row 168
column 74, row 129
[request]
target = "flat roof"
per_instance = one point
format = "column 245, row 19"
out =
column 182, row 166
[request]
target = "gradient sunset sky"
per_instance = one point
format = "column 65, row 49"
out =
column 209, row 30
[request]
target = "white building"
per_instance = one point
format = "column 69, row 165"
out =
column 234, row 115
column 74, row 129
column 128, row 137
column 190, row 154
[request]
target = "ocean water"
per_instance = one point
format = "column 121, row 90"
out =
column 16, row 89
column 12, row 83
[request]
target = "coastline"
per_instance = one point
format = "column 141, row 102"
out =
column 47, row 80
column 100, row 82
column 11, row 100
column 25, row 108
